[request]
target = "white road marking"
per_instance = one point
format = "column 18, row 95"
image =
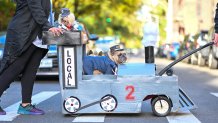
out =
column 215, row 94
column 87, row 119
column 36, row 99
column 184, row 116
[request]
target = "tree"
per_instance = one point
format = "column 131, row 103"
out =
column 6, row 11
column 106, row 17
column 103, row 17
column 160, row 10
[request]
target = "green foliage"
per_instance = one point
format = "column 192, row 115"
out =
column 103, row 17
column 7, row 8
column 106, row 17
column 108, row 20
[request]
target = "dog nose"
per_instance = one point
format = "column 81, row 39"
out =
column 123, row 59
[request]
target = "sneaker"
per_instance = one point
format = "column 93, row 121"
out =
column 2, row 112
column 30, row 110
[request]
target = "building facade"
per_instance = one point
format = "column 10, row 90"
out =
column 191, row 16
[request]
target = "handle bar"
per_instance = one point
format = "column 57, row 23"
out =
column 183, row 57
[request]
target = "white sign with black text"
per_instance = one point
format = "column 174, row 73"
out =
column 69, row 67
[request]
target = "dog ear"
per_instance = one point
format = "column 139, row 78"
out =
column 112, row 52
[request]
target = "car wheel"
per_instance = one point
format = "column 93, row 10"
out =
column 194, row 60
column 161, row 106
column 201, row 60
column 212, row 62
column 187, row 60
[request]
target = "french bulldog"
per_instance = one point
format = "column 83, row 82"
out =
column 95, row 65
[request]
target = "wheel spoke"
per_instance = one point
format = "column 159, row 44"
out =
column 161, row 104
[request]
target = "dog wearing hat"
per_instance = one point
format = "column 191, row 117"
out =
column 94, row 65
column 67, row 22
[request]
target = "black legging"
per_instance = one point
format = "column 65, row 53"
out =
column 27, row 65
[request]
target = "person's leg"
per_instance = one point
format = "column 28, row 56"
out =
column 27, row 82
column 10, row 73
column 29, row 74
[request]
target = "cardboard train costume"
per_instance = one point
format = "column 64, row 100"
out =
column 121, row 93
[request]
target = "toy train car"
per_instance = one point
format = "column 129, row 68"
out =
column 121, row 93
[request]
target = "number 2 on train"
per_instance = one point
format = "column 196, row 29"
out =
column 131, row 90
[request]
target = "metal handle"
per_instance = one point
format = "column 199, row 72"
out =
column 183, row 57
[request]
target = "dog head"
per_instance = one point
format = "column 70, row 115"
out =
column 117, row 55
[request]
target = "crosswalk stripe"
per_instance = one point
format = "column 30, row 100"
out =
column 90, row 118
column 185, row 117
column 215, row 94
column 36, row 99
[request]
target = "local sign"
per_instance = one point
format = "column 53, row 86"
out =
column 69, row 67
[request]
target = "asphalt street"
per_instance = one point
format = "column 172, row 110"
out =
column 200, row 83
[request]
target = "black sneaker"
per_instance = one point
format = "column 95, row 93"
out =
column 2, row 112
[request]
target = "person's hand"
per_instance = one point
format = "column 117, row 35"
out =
column 216, row 39
column 56, row 31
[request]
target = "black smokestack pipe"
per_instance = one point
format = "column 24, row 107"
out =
column 149, row 54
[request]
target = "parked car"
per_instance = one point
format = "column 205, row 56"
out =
column 173, row 51
column 2, row 43
column 208, row 56
column 104, row 43
column 213, row 53
column 190, row 43
column 201, row 39
column 49, row 64
column 186, row 46
column 163, row 50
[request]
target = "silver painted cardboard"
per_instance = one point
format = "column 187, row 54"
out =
column 67, row 38
column 141, row 78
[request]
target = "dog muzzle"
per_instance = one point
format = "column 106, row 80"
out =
column 122, row 58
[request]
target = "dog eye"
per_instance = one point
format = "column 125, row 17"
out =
column 122, row 54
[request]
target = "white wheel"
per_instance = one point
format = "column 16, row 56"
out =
column 109, row 104
column 201, row 60
column 212, row 62
column 72, row 104
column 161, row 106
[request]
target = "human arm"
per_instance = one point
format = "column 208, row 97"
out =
column 216, row 39
column 38, row 14
column 40, row 17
